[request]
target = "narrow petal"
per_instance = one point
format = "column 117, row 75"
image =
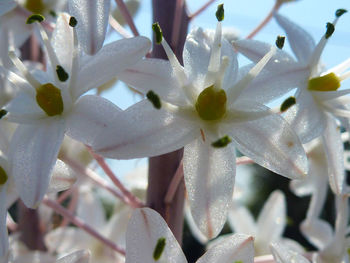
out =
column 3, row 229
column 284, row 255
column 33, row 153
column 318, row 232
column 272, row 219
column 300, row 41
column 241, row 220
column 335, row 151
column 236, row 248
column 256, row 50
column 6, row 6
column 156, row 75
column 146, row 231
column 80, row 256
column 92, row 17
column 161, row 133
column 90, row 116
column 62, row 178
column 270, row 142
column 306, row 117
column 209, row 178
column 125, row 52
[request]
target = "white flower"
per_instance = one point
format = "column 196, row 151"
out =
column 199, row 106
column 50, row 105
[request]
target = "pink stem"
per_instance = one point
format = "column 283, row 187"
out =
column 177, row 22
column 81, row 224
column 175, row 181
column 71, row 208
column 98, row 180
column 132, row 200
column 65, row 194
column 127, row 16
column 200, row 10
column 266, row 20
column 118, row 27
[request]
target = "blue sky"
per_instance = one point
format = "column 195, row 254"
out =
column 244, row 16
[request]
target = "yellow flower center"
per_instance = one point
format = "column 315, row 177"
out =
column 49, row 99
column 329, row 82
column 35, row 6
column 3, row 176
column 211, row 104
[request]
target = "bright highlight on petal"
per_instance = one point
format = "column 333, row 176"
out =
column 329, row 82
column 49, row 99
column 3, row 176
column 211, row 104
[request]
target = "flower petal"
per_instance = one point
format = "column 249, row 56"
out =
column 300, row 41
column 318, row 232
column 270, row 142
column 334, row 149
column 62, row 178
column 6, row 6
column 125, row 52
column 236, row 248
column 145, row 232
column 272, row 219
column 306, row 117
column 80, row 256
column 156, row 75
column 209, row 178
column 92, row 17
column 89, row 117
column 161, row 133
column 284, row 255
column 33, row 153
column 3, row 228
column 241, row 220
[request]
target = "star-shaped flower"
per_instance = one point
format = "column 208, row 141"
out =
column 50, row 105
column 199, row 109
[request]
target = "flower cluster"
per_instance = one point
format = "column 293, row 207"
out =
column 209, row 105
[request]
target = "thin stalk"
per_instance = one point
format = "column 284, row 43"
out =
column 200, row 10
column 127, row 16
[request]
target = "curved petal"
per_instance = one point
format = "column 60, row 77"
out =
column 90, row 116
column 156, row 75
column 255, row 50
column 236, row 248
column 272, row 219
column 334, row 149
column 62, row 178
column 33, row 153
column 110, row 60
column 3, row 228
column 6, row 6
column 145, row 231
column 270, row 142
column 62, row 41
column 318, row 232
column 306, row 117
column 300, row 41
column 241, row 220
column 92, row 17
column 142, row 131
column 209, row 177
column 284, row 255
column 80, row 256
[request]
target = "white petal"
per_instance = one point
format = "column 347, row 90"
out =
column 334, row 150
column 284, row 255
column 270, row 142
column 143, row 131
column 89, row 117
column 318, row 232
column 236, row 248
column 306, row 117
column 300, row 41
column 90, row 209
column 145, row 229
column 110, row 60
column 62, row 41
column 209, row 178
column 272, row 219
column 80, row 256
column 62, row 178
column 92, row 17
column 241, row 220
column 6, row 6
column 156, row 75
column 270, row 85
column 33, row 153
column 256, row 50
column 3, row 228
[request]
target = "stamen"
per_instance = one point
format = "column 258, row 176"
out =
column 159, row 248
column 280, row 41
column 336, row 111
column 214, row 61
column 158, row 32
column 3, row 176
column 2, row 113
column 220, row 13
column 340, row 12
column 61, row 73
column 289, row 102
column 222, row 142
column 344, row 76
column 25, row 72
column 330, row 30
column 154, row 98
column 203, row 135
column 73, row 21
column 35, row 18
column 221, row 73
